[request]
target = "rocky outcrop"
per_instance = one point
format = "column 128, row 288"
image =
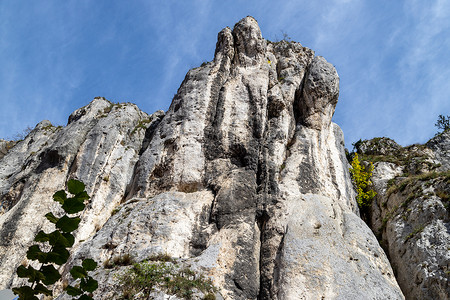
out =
column 5, row 146
column 244, row 180
column 99, row 146
column 411, row 212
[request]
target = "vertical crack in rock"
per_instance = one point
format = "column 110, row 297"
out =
column 156, row 118
column 150, row 131
column 10, row 198
column 10, row 224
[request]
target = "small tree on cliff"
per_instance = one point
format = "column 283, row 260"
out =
column 443, row 123
column 361, row 178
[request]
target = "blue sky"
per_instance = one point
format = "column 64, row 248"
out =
column 393, row 57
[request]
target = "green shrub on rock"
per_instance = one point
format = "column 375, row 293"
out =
column 361, row 177
column 165, row 275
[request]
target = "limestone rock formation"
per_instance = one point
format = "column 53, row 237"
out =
column 411, row 212
column 99, row 146
column 5, row 146
column 244, row 179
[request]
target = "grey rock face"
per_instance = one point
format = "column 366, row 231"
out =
column 441, row 149
column 378, row 146
column 244, row 179
column 320, row 94
column 410, row 214
column 99, row 146
column 5, row 146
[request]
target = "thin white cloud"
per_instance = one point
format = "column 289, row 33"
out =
column 424, row 67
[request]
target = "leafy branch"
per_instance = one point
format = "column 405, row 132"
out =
column 60, row 240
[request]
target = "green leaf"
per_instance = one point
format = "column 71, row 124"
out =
column 51, row 274
column 85, row 297
column 51, row 218
column 75, row 186
column 89, row 264
column 67, row 224
column 32, row 274
column 59, row 255
column 56, row 239
column 41, row 237
column 88, row 284
column 82, row 196
column 25, row 293
column 70, row 239
column 60, row 196
column 73, row 291
column 73, row 205
column 41, row 289
column 78, row 272
column 23, row 272
column 35, row 253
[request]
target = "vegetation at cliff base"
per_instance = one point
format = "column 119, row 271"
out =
column 361, row 177
column 146, row 276
column 58, row 242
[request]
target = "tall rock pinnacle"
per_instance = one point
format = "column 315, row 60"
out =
column 244, row 178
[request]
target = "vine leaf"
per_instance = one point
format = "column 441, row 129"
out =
column 73, row 291
column 82, row 196
column 59, row 255
column 89, row 264
column 25, row 292
column 88, row 284
column 67, row 224
column 73, row 205
column 51, row 274
column 31, row 273
column 57, row 239
column 41, row 289
column 41, row 237
column 75, row 186
column 70, row 239
column 60, row 196
column 78, row 272
column 51, row 218
column 35, row 253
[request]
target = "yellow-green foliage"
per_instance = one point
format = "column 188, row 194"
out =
column 361, row 177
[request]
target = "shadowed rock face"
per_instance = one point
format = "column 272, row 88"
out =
column 244, row 179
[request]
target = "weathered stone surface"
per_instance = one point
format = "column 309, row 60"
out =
column 244, row 179
column 320, row 94
column 99, row 146
column 441, row 149
column 378, row 146
column 410, row 214
column 5, row 146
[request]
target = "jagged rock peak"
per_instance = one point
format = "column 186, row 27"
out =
column 245, row 41
column 249, row 44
